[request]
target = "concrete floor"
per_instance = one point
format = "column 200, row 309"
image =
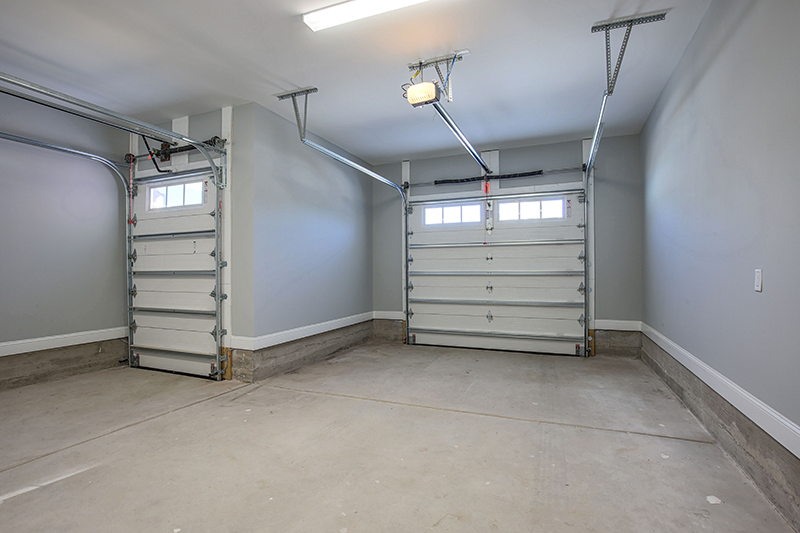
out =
column 383, row 438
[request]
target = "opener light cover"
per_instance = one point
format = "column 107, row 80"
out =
column 353, row 10
column 423, row 93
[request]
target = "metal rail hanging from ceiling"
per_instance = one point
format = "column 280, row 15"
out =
column 84, row 109
column 447, row 86
column 611, row 76
column 611, row 82
column 301, row 129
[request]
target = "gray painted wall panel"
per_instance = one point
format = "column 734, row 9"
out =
column 241, row 220
column 719, row 153
column 619, row 229
column 62, row 266
column 312, row 222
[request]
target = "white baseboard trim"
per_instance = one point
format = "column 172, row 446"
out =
column 61, row 341
column 280, row 337
column 618, row 325
column 388, row 315
column 775, row 424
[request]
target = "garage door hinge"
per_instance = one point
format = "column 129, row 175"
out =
column 221, row 296
column 581, row 225
column 581, row 198
column 133, row 292
column 223, row 264
column 410, row 259
column 582, row 321
column 582, row 288
column 135, row 191
column 214, row 332
column 133, row 327
column 582, row 256
column 410, row 286
column 411, row 233
column 410, row 313
column 410, row 209
column 213, row 253
column 213, row 213
column 489, row 316
column 133, row 220
column 132, row 256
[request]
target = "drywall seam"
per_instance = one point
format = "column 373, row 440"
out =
column 775, row 424
column 618, row 325
column 280, row 337
column 61, row 341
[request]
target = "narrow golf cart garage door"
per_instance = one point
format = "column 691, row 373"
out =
column 500, row 272
column 174, row 272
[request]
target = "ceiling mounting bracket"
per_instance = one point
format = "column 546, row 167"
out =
column 437, row 63
column 611, row 74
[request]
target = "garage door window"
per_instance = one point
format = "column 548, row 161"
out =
column 531, row 210
column 179, row 195
column 453, row 214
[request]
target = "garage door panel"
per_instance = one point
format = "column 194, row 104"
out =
column 179, row 224
column 193, row 301
column 195, row 284
column 498, row 343
column 175, row 262
column 177, row 340
column 499, row 263
column 564, row 289
column 515, row 325
column 496, row 310
column 175, row 322
column 175, row 246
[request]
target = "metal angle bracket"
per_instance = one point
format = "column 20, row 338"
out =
column 214, row 332
column 628, row 23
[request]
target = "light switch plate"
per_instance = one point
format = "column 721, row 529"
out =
column 758, row 280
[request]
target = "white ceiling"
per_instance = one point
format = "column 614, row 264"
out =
column 535, row 73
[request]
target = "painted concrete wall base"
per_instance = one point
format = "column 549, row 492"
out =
column 773, row 468
column 46, row 365
column 250, row 366
column 619, row 343
column 387, row 330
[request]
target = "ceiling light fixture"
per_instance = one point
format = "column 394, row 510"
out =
column 353, row 10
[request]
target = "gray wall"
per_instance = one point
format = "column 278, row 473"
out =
column 618, row 219
column 619, row 229
column 62, row 259
column 721, row 190
column 311, row 229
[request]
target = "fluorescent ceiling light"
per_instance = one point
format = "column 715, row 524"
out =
column 352, row 10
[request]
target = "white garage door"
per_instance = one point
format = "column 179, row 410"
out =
column 174, row 269
column 500, row 272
